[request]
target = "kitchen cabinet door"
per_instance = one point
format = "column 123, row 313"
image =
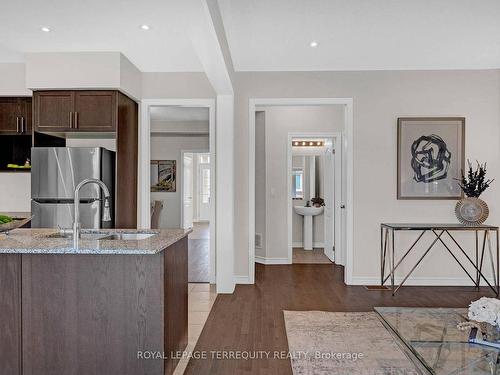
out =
column 95, row 111
column 53, row 110
column 10, row 113
column 26, row 107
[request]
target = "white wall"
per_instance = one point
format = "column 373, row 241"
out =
column 130, row 78
column 13, row 80
column 55, row 70
column 194, row 127
column 169, row 148
column 379, row 98
column 83, row 70
column 176, row 85
column 260, row 180
column 279, row 122
column 15, row 192
column 299, row 161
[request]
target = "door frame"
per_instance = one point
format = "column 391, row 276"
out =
column 144, row 161
column 337, row 218
column 348, row 155
column 198, row 151
column 199, row 188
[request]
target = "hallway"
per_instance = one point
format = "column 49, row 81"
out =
column 199, row 253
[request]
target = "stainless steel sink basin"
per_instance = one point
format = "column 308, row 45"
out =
column 83, row 236
column 98, row 236
column 127, row 236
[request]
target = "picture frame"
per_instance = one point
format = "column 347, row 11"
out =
column 163, row 176
column 430, row 157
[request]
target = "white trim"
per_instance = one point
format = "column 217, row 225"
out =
column 269, row 261
column 225, row 181
column 416, row 281
column 301, row 244
column 349, row 154
column 241, row 280
column 143, row 190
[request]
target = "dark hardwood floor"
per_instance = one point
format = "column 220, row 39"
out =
column 251, row 319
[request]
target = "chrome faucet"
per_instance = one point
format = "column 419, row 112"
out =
column 106, row 214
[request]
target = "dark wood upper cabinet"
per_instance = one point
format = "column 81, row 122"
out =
column 53, row 110
column 15, row 115
column 95, row 110
column 27, row 110
column 76, row 111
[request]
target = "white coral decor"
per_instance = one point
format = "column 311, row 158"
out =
column 485, row 310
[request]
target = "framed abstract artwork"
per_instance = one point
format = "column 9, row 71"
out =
column 431, row 156
column 163, row 176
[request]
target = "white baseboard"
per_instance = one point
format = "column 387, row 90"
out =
column 241, row 280
column 315, row 244
column 418, row 281
column 268, row 261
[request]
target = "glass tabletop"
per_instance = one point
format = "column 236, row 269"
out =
column 432, row 337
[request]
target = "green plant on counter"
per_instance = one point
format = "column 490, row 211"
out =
column 4, row 219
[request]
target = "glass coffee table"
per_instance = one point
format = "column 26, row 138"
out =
column 430, row 338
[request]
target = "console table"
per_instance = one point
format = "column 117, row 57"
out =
column 440, row 231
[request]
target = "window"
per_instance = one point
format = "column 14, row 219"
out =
column 205, row 185
column 298, row 183
column 204, row 159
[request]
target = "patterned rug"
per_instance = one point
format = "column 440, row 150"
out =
column 341, row 343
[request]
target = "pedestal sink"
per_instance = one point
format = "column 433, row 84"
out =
column 308, row 213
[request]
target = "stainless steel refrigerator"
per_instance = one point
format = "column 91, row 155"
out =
column 55, row 172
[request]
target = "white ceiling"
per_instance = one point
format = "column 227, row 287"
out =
column 274, row 35
column 101, row 25
column 178, row 114
column 264, row 35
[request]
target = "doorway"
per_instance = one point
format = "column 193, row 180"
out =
column 344, row 252
column 181, row 151
column 314, row 173
column 195, row 214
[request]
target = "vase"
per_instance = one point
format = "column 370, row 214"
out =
column 471, row 211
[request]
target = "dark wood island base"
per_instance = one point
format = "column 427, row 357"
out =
column 81, row 314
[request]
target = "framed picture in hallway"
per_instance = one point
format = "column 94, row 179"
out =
column 430, row 157
column 163, row 176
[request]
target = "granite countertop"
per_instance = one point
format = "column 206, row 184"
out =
column 37, row 241
column 16, row 214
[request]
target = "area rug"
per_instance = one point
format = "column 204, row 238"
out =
column 343, row 344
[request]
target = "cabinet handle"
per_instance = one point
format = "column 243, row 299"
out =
column 76, row 120
column 17, row 124
column 71, row 120
column 22, row 124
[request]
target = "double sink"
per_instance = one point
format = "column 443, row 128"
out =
column 100, row 236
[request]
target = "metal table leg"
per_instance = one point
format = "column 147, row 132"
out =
column 392, row 261
column 480, row 269
column 418, row 262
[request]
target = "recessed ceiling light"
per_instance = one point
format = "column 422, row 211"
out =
column 45, row 29
column 145, row 27
column 313, row 44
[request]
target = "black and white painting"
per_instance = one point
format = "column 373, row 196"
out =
column 430, row 157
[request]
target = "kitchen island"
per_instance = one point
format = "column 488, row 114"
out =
column 95, row 309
